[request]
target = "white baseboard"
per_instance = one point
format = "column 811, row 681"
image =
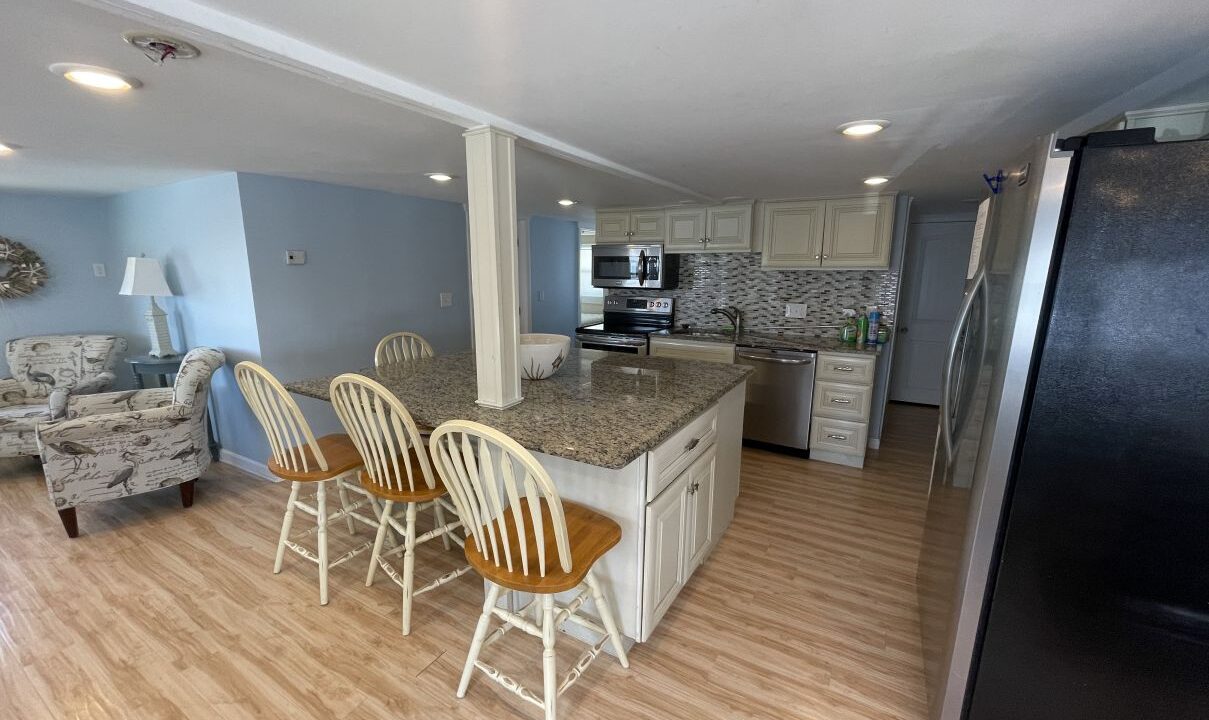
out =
column 248, row 465
column 875, row 443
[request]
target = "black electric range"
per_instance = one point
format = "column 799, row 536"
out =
column 627, row 323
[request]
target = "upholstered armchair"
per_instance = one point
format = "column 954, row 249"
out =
column 113, row 445
column 46, row 369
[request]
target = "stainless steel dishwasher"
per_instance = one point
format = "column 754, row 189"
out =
column 779, row 394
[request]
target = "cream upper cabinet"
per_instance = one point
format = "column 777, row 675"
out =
column 728, row 228
column 631, row 226
column 857, row 233
column 838, row 233
column 686, row 230
column 792, row 233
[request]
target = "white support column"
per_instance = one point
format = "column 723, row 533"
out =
column 491, row 190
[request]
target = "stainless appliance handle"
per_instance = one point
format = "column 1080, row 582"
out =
column 946, row 378
column 769, row 358
column 642, row 267
column 611, row 340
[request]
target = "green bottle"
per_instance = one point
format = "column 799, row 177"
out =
column 862, row 326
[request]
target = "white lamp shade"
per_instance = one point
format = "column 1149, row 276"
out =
column 144, row 276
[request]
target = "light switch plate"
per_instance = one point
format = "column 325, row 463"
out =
column 795, row 310
column 446, row 299
column 295, row 257
column 98, row 269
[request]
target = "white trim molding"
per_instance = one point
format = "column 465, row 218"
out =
column 248, row 465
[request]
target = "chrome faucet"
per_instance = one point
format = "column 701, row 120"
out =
column 731, row 313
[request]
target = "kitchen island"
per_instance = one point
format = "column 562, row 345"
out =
column 654, row 443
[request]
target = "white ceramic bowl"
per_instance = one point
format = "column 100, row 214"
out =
column 542, row 354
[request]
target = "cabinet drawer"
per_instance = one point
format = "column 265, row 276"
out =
column 841, row 401
column 852, row 369
column 667, row 461
column 839, row 436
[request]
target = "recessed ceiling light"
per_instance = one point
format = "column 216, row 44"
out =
column 877, row 180
column 5, row 149
column 566, row 203
column 440, row 177
column 96, row 78
column 861, row 128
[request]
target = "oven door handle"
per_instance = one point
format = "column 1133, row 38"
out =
column 611, row 340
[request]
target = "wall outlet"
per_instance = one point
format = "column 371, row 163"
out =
column 795, row 310
column 295, row 257
column 98, row 269
column 446, row 299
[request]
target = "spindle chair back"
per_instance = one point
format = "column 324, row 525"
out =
column 401, row 347
column 384, row 433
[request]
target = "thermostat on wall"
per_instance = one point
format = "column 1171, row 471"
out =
column 295, row 257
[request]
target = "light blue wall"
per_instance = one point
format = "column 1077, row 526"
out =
column 554, row 275
column 195, row 229
column 376, row 263
column 70, row 233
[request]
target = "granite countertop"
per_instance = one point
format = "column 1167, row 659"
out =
column 778, row 341
column 600, row 408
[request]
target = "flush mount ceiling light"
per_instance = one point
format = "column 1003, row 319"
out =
column 159, row 48
column 566, row 202
column 95, row 78
column 5, row 149
column 862, row 128
column 439, row 177
column 877, row 180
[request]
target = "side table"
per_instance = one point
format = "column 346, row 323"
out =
column 143, row 366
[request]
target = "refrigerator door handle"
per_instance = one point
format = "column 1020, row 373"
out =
column 946, row 382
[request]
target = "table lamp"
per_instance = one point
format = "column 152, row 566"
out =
column 144, row 276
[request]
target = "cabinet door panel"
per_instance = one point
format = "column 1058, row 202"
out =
column 858, row 232
column 664, row 556
column 728, row 228
column 793, row 234
column 700, row 508
column 648, row 226
column 685, row 230
column 612, row 227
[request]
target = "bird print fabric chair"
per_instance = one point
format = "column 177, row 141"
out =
column 113, row 445
column 46, row 369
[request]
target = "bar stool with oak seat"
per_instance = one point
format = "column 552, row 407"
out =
column 531, row 543
column 396, row 471
column 401, row 347
column 300, row 458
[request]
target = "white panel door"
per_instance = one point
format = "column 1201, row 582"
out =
column 728, row 228
column 792, row 234
column 933, row 280
column 858, row 232
column 613, row 227
column 664, row 555
column 700, row 508
column 686, row 230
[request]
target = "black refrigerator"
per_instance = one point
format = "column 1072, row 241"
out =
column 1065, row 569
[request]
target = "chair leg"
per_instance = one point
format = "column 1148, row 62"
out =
column 383, row 526
column 480, row 632
column 549, row 668
column 187, row 492
column 409, row 566
column 68, row 517
column 606, row 617
column 352, row 529
column 440, row 511
column 286, row 522
column 321, row 505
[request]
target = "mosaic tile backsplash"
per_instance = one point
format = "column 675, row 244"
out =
column 708, row 281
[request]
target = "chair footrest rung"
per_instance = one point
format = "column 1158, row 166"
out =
column 304, row 552
column 509, row 684
column 446, row 578
column 582, row 664
column 516, row 620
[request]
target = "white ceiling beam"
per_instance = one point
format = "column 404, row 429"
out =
column 231, row 33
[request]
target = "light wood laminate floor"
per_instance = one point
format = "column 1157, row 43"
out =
column 806, row 609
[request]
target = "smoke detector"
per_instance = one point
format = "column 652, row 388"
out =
column 159, row 48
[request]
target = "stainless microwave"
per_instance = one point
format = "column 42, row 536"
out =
column 634, row 266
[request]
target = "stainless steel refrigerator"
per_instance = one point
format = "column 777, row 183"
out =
column 1064, row 571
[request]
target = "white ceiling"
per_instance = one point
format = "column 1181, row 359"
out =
column 715, row 97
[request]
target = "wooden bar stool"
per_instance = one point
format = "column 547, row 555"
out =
column 532, row 543
column 401, row 347
column 396, row 471
column 302, row 459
